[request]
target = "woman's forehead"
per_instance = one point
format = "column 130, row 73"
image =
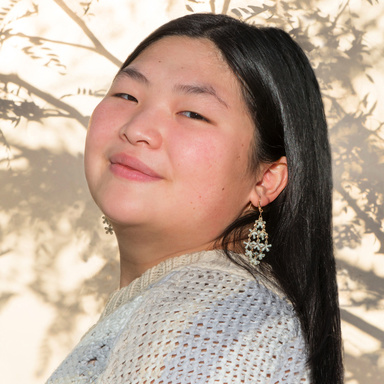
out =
column 186, row 58
column 195, row 50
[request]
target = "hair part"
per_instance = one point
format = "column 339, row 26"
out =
column 283, row 98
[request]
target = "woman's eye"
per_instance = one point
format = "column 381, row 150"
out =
column 194, row 115
column 126, row 96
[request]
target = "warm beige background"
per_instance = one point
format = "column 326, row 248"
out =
column 57, row 265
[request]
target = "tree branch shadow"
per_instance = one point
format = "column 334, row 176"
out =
column 30, row 110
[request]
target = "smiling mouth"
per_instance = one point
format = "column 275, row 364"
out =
column 131, row 168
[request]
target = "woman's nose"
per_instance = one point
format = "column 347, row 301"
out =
column 143, row 129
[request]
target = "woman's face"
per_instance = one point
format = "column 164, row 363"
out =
column 167, row 148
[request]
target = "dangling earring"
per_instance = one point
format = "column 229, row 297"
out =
column 108, row 226
column 257, row 244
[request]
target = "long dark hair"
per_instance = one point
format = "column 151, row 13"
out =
column 283, row 98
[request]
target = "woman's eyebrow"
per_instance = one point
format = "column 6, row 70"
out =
column 133, row 74
column 200, row 89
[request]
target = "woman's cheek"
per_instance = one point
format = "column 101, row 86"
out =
column 198, row 147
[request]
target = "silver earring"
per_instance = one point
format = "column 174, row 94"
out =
column 107, row 226
column 257, row 244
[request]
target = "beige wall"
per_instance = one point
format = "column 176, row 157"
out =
column 57, row 265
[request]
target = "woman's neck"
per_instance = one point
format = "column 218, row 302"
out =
column 142, row 251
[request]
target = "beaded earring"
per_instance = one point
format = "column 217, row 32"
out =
column 107, row 226
column 257, row 244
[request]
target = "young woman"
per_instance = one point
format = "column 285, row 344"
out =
column 210, row 159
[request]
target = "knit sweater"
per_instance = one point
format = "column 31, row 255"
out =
column 196, row 318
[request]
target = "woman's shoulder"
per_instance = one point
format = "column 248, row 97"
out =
column 218, row 290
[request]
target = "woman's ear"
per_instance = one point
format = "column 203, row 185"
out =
column 271, row 181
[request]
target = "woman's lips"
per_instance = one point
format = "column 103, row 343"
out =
column 130, row 168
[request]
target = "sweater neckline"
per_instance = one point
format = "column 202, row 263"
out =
column 215, row 259
column 156, row 273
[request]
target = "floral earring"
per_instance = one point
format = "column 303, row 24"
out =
column 257, row 244
column 107, row 226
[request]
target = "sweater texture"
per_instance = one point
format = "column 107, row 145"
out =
column 192, row 319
